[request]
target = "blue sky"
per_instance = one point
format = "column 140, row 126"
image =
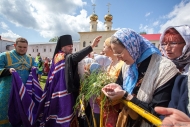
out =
column 40, row 20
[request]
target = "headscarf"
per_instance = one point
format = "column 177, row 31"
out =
column 139, row 48
column 102, row 60
column 95, row 67
column 62, row 41
column 184, row 31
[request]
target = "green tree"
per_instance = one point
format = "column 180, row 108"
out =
column 54, row 39
column 142, row 33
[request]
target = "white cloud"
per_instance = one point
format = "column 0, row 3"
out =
column 147, row 14
column 156, row 23
column 146, row 28
column 93, row 1
column 49, row 18
column 3, row 25
column 179, row 16
column 10, row 35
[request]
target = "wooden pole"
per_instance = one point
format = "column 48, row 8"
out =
column 101, row 109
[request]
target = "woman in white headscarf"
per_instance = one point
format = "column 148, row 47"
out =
column 175, row 43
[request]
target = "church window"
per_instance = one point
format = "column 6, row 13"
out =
column 44, row 50
column 84, row 44
column 36, row 50
column 50, row 50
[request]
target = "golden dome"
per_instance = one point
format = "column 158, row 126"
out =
column 93, row 17
column 108, row 17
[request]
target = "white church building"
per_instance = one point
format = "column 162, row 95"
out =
column 47, row 49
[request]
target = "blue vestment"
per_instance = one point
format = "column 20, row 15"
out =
column 22, row 64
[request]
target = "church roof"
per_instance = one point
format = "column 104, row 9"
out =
column 152, row 37
column 5, row 39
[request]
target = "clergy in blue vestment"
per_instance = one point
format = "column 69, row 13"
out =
column 11, row 61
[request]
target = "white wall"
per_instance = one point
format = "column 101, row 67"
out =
column 47, row 49
column 89, row 37
column 3, row 45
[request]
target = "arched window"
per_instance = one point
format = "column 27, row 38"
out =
column 84, row 44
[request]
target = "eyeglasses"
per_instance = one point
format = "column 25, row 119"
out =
column 172, row 44
column 119, row 55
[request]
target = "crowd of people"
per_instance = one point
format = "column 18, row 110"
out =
column 155, row 79
column 43, row 65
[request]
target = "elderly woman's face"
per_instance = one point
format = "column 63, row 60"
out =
column 122, row 54
column 173, row 50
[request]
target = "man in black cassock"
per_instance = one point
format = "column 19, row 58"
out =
column 63, row 82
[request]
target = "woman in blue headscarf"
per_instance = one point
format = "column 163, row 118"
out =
column 146, row 79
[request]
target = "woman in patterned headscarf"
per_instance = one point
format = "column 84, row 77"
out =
column 146, row 80
column 175, row 43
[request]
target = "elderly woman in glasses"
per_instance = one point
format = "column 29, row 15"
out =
column 146, row 80
column 175, row 43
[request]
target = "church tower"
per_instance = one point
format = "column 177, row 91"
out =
column 93, row 20
column 108, row 20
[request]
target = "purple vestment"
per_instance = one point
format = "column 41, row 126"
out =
column 56, row 107
column 24, row 100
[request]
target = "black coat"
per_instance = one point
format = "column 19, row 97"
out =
column 71, row 69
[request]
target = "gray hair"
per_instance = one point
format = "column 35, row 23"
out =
column 115, row 40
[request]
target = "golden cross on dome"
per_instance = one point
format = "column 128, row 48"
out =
column 93, row 7
column 108, row 7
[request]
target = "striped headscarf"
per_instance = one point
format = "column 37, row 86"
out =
column 139, row 48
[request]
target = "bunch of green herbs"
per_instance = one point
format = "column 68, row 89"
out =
column 92, row 84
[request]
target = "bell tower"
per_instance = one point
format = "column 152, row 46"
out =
column 93, row 20
column 108, row 20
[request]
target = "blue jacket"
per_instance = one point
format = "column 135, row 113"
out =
column 179, row 97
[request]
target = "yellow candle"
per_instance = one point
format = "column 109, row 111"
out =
column 150, row 117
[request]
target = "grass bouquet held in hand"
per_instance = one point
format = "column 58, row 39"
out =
column 91, row 86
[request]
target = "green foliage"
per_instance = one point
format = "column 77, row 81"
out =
column 142, row 33
column 91, row 86
column 54, row 39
